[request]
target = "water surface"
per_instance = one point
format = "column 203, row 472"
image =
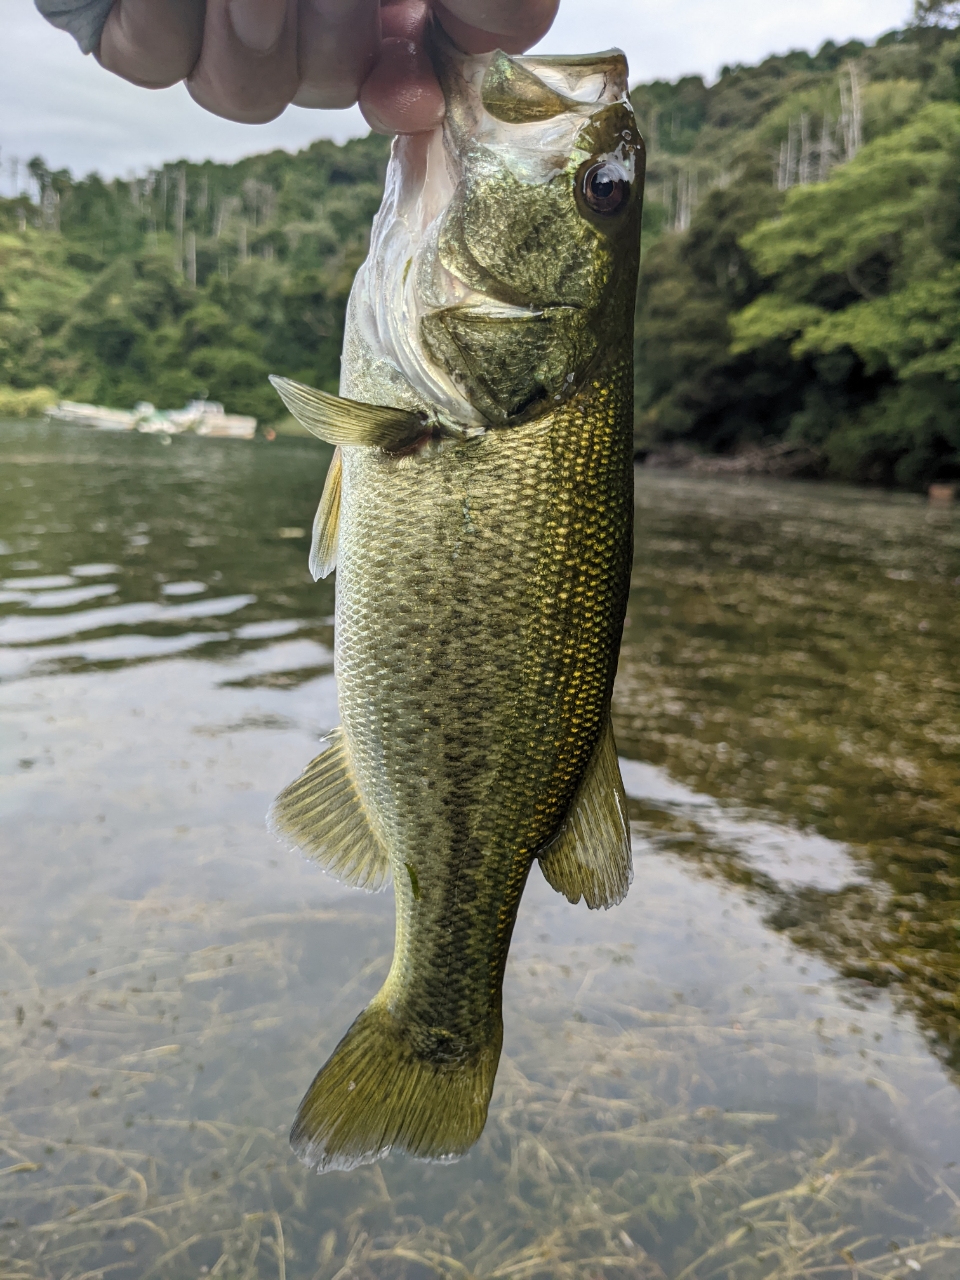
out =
column 749, row 1069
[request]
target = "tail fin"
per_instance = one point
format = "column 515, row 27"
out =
column 375, row 1094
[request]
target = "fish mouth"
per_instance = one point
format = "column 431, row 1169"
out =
column 516, row 361
column 436, row 323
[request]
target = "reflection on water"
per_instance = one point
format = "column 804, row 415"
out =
column 795, row 649
column 744, row 1071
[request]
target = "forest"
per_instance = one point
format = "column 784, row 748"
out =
column 800, row 282
column 801, row 273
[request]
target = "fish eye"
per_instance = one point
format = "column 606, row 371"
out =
column 605, row 187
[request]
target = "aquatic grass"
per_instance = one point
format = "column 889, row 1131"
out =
column 775, row 660
column 794, row 652
column 598, row 1160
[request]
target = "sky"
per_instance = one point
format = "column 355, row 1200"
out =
column 56, row 103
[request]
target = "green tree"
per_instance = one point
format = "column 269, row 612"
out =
column 863, row 274
column 691, row 386
column 194, row 281
column 940, row 13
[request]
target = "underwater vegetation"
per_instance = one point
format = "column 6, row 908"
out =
column 747, row 1069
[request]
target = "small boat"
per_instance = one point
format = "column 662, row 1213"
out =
column 207, row 418
column 93, row 415
column 203, row 417
column 153, row 421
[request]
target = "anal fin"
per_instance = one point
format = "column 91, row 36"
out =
column 590, row 857
column 341, row 421
column 326, row 524
column 322, row 815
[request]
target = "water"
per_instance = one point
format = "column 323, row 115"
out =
column 749, row 1069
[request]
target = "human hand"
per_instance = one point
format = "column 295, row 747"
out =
column 248, row 59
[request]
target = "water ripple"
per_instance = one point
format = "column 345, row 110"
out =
column 16, row 630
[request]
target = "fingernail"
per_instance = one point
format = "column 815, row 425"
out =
column 257, row 24
column 405, row 21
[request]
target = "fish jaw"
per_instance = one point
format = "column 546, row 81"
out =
column 479, row 213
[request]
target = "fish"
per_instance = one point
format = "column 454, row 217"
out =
column 478, row 511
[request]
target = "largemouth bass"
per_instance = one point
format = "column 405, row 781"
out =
column 479, row 513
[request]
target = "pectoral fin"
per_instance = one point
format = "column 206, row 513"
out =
column 340, row 421
column 322, row 815
column 326, row 524
column 590, row 858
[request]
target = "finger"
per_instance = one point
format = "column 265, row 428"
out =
column 247, row 69
column 338, row 41
column 153, row 43
column 511, row 25
column 401, row 94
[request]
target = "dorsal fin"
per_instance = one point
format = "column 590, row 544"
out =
column 341, row 421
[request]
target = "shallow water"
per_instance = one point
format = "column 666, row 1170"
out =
column 749, row 1069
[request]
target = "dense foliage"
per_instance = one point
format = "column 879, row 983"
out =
column 193, row 282
column 813, row 293
column 800, row 282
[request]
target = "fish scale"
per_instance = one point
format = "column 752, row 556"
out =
column 503, row 689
